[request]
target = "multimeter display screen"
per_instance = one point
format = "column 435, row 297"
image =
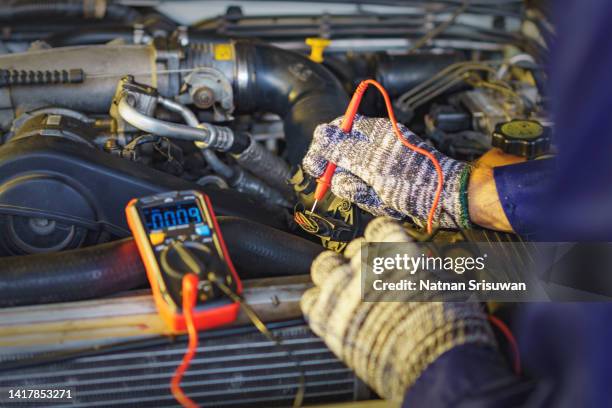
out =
column 174, row 215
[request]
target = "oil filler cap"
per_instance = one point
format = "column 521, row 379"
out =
column 520, row 137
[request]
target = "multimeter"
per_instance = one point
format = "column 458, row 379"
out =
column 177, row 233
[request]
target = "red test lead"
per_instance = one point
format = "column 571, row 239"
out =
column 190, row 294
column 324, row 182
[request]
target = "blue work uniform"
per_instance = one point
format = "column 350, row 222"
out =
column 565, row 347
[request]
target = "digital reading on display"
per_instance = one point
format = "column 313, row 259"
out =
column 173, row 215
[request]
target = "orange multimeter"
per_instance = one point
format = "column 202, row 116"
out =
column 177, row 233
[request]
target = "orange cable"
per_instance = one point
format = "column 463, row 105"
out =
column 347, row 124
column 511, row 340
column 190, row 292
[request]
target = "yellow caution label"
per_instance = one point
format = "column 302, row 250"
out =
column 224, row 52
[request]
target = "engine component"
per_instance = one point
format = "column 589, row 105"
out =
column 209, row 88
column 20, row 9
column 246, row 183
column 256, row 250
column 34, row 234
column 211, row 158
column 56, row 179
column 103, row 66
column 55, row 123
column 264, row 78
column 302, row 92
column 29, row 77
column 487, row 109
column 526, row 138
column 338, row 220
column 265, row 165
column 72, row 275
column 248, row 153
column 400, row 73
column 323, row 227
column 450, row 78
column 136, row 104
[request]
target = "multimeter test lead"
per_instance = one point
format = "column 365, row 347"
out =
column 324, row 182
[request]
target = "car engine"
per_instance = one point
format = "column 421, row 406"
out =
column 104, row 101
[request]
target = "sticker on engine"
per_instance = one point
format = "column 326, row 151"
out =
column 224, row 52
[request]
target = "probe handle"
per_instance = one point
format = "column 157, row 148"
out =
column 324, row 182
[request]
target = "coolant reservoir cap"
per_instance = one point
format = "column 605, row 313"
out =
column 521, row 137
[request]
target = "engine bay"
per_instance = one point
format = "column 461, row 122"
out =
column 64, row 98
column 102, row 102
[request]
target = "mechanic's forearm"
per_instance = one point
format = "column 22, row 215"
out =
column 483, row 200
column 484, row 205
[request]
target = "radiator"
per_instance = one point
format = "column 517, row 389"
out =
column 233, row 368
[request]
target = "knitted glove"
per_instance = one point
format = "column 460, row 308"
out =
column 388, row 344
column 384, row 177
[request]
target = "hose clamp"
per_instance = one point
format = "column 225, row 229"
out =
column 220, row 138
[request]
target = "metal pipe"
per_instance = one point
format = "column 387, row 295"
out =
column 191, row 119
column 255, row 157
column 160, row 127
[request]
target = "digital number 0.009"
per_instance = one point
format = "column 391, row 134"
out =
column 174, row 217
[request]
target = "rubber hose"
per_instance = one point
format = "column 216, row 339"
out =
column 304, row 93
column 72, row 275
column 256, row 250
column 259, row 251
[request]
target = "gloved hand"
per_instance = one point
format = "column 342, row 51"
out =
column 384, row 177
column 387, row 344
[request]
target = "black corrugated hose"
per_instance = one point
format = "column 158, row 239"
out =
column 304, row 93
column 256, row 250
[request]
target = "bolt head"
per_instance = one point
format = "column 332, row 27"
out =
column 203, row 97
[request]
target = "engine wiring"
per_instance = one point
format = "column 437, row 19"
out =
column 306, row 222
column 441, row 82
column 467, row 72
column 500, row 87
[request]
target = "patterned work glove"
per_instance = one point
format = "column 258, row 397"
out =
column 384, row 177
column 387, row 344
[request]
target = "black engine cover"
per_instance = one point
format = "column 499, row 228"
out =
column 84, row 191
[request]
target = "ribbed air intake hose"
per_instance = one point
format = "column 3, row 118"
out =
column 304, row 93
column 256, row 250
